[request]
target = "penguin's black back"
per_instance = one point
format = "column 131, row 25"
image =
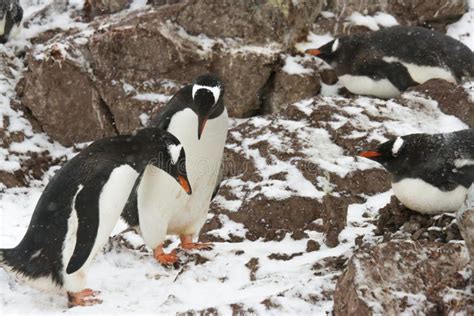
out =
column 90, row 168
column 433, row 159
column 420, row 46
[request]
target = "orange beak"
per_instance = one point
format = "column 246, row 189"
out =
column 314, row 52
column 185, row 184
column 370, row 154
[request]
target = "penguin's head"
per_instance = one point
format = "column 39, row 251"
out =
column 392, row 155
column 207, row 95
column 173, row 161
column 328, row 52
column 339, row 51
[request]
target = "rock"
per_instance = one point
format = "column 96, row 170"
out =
column 244, row 76
column 67, row 113
column 404, row 277
column 94, row 8
column 452, row 99
column 312, row 245
column 283, row 21
column 465, row 218
column 286, row 88
column 434, row 14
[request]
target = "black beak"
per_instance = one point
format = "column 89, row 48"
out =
column 202, row 123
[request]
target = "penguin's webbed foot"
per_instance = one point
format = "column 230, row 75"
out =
column 188, row 244
column 165, row 259
column 83, row 298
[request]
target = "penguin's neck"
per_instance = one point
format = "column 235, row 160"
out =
column 203, row 156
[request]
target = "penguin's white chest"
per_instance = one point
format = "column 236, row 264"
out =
column 163, row 206
column 381, row 88
column 2, row 24
column 420, row 196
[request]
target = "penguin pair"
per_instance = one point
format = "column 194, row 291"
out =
column 80, row 206
column 11, row 14
column 431, row 174
column 196, row 115
column 389, row 61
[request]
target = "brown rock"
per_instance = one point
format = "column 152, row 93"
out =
column 452, row 99
column 312, row 245
column 465, row 218
column 244, row 76
column 253, row 266
column 94, row 8
column 400, row 276
column 434, row 14
column 66, row 112
column 286, row 88
column 254, row 21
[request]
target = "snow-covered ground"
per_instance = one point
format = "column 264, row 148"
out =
column 131, row 280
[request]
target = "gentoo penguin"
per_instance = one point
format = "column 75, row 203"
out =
column 11, row 14
column 430, row 173
column 196, row 115
column 80, row 206
column 386, row 62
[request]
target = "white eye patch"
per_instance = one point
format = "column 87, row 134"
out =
column 216, row 91
column 174, row 151
column 396, row 146
column 335, row 45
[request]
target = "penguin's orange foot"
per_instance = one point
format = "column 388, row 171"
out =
column 83, row 298
column 167, row 258
column 196, row 245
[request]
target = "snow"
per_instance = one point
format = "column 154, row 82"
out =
column 372, row 22
column 463, row 30
column 293, row 67
column 131, row 280
column 314, row 41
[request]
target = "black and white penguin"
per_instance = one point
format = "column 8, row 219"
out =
column 11, row 14
column 386, row 62
column 430, row 173
column 196, row 115
column 80, row 206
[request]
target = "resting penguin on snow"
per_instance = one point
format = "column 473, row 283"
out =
column 81, row 205
column 11, row 15
column 196, row 115
column 430, row 173
column 386, row 62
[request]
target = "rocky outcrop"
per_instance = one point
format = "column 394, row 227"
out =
column 94, row 8
column 452, row 99
column 404, row 277
column 63, row 99
column 465, row 218
column 283, row 21
column 436, row 14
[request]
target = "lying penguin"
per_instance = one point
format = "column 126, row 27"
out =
column 386, row 62
column 11, row 14
column 430, row 173
column 81, row 205
column 196, row 115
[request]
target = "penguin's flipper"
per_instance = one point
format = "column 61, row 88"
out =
column 395, row 72
column 130, row 211
column 464, row 176
column 220, row 177
column 87, row 209
column 398, row 76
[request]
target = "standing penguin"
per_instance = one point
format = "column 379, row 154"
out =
column 81, row 205
column 386, row 62
column 11, row 14
column 196, row 115
column 430, row 173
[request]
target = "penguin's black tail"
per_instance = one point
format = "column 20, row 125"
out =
column 3, row 261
